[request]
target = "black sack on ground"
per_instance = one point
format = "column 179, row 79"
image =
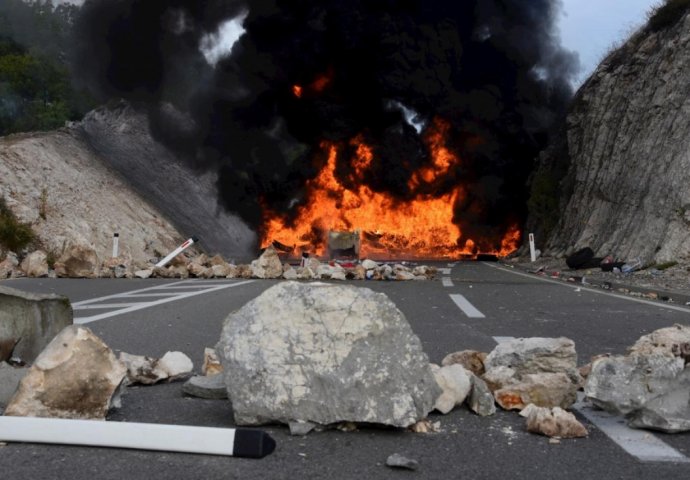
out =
column 580, row 258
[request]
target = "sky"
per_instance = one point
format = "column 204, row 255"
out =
column 591, row 27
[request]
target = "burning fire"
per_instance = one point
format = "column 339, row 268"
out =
column 392, row 228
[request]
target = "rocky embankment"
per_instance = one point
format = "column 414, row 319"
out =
column 618, row 179
column 71, row 199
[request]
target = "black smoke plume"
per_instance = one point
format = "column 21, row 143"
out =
column 493, row 69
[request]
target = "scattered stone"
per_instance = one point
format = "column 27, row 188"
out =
column 33, row 319
column 398, row 461
column 472, row 360
column 298, row 347
column 554, row 422
column 670, row 411
column 369, row 264
column 300, row 428
column 200, row 386
column 481, row 400
column 35, row 264
column 455, row 384
column 147, row 370
column 268, row 265
column 404, row 275
column 541, row 389
column 9, row 381
column 425, row 426
column 339, row 274
column 536, row 355
column 358, row 272
column 623, row 384
column 196, row 269
column 163, row 272
column 8, row 265
column 244, row 271
column 223, row 270
column 347, row 427
column 201, row 260
column 144, row 273
column 76, row 376
column 290, row 274
column 212, row 365
column 665, row 340
column 499, row 377
column 554, row 441
column 217, row 260
column 78, row 261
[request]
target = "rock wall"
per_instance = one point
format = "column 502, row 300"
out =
column 627, row 150
column 55, row 182
column 188, row 197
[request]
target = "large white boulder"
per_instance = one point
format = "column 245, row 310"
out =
column 324, row 353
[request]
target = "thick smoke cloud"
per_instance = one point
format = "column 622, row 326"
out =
column 493, row 69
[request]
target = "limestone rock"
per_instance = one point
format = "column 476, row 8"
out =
column 398, row 461
column 536, row 355
column 369, row 264
column 358, row 272
column 35, row 264
column 147, row 370
column 224, row 270
column 211, row 365
column 541, row 389
column 338, row 274
column 144, row 273
column 76, row 376
column 301, row 428
column 298, row 348
column 554, row 422
column 665, row 340
column 244, row 271
column 196, row 269
column 623, row 384
column 614, row 198
column 455, row 383
column 670, row 411
column 212, row 387
column 268, row 265
column 290, row 274
column 499, row 377
column 306, row 273
column 33, row 319
column 8, row 266
column 217, row 260
column 78, row 261
column 404, row 275
column 481, row 400
column 472, row 360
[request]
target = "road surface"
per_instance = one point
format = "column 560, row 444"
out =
column 469, row 306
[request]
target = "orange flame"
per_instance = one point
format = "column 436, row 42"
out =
column 297, row 91
column 418, row 228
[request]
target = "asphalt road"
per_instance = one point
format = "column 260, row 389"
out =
column 468, row 446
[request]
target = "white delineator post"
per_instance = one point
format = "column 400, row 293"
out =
column 116, row 245
column 532, row 251
column 177, row 251
column 238, row 442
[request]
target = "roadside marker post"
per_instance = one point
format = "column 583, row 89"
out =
column 532, row 251
column 177, row 251
column 116, row 245
column 237, row 442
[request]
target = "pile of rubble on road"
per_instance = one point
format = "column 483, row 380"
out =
column 319, row 355
column 82, row 262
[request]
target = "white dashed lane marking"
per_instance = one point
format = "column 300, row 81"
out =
column 464, row 305
column 639, row 443
column 447, row 282
column 167, row 293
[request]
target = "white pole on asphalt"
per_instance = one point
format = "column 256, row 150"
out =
column 116, row 244
column 239, row 442
column 177, row 251
column 532, row 251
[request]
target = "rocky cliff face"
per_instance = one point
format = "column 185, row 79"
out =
column 625, row 152
column 56, row 183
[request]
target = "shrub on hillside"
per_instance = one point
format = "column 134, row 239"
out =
column 14, row 235
column 667, row 14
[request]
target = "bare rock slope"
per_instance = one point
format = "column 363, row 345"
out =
column 55, row 182
column 627, row 152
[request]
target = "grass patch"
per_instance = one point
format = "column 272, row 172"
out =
column 14, row 235
column 667, row 14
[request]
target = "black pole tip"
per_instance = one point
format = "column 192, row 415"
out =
column 195, row 239
column 252, row 443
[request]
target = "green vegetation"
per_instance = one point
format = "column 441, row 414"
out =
column 667, row 14
column 14, row 235
column 664, row 266
column 36, row 91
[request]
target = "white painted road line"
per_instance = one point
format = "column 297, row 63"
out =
column 467, row 308
column 640, row 444
column 444, row 271
column 447, row 282
column 139, row 306
column 592, row 290
column 105, row 305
